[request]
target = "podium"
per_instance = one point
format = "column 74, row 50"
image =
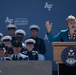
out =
column 58, row 48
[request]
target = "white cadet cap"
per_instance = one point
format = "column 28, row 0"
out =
column 6, row 38
column 11, row 26
column 20, row 32
column 1, row 35
column 34, row 27
column 30, row 41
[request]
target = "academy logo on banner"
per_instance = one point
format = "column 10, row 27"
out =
column 69, row 56
column 17, row 21
column 48, row 6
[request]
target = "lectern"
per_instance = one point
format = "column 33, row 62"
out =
column 58, row 48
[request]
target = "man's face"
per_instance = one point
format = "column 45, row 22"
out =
column 19, row 38
column 11, row 32
column 30, row 47
column 7, row 43
column 2, row 53
column 34, row 33
column 17, row 50
column 71, row 24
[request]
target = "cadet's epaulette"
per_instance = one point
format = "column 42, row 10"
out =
column 33, row 52
column 37, row 52
column 24, row 52
column 7, row 58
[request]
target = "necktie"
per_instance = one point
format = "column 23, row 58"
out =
column 16, row 57
column 1, row 59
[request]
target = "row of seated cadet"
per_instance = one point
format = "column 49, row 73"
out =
column 12, row 46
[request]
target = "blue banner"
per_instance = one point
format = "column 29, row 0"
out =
column 24, row 13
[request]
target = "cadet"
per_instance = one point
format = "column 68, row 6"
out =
column 8, row 47
column 11, row 31
column 33, row 55
column 2, row 53
column 17, row 48
column 68, row 35
column 39, row 45
column 20, row 36
column 6, row 40
column 9, row 51
column 1, row 35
